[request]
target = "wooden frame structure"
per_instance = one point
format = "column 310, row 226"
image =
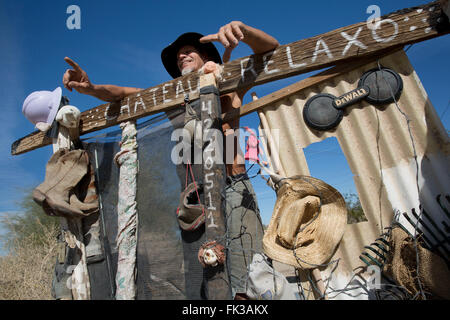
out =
column 356, row 43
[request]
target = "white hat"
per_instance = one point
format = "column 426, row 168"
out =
column 42, row 106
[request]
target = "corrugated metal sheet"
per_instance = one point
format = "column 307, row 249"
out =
column 394, row 171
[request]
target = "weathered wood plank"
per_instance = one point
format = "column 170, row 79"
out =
column 217, row 280
column 30, row 142
column 292, row 89
column 338, row 46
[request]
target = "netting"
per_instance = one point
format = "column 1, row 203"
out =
column 167, row 265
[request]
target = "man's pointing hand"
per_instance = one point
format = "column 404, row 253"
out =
column 76, row 78
column 229, row 36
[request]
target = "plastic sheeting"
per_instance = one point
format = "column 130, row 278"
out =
column 167, row 264
column 160, row 261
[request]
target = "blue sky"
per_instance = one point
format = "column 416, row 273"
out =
column 120, row 43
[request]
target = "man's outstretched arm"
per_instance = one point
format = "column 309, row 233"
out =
column 77, row 79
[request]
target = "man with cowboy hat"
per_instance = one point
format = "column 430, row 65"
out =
column 188, row 53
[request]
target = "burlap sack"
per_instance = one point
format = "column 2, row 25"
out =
column 401, row 266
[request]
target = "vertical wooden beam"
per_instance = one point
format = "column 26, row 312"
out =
column 319, row 285
column 218, row 284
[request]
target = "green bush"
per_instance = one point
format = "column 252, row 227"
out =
column 30, row 222
column 354, row 208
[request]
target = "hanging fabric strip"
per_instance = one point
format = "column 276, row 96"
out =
column 126, row 159
column 79, row 282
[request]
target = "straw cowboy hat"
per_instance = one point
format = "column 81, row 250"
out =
column 307, row 224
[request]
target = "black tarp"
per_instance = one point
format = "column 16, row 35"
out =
column 167, row 265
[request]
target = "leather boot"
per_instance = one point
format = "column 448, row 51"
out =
column 85, row 197
column 55, row 170
column 58, row 196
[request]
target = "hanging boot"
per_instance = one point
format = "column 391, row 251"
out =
column 85, row 197
column 57, row 167
column 57, row 198
column 53, row 174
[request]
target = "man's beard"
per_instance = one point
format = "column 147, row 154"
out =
column 186, row 71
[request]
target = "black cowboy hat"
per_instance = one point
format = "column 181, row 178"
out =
column 169, row 54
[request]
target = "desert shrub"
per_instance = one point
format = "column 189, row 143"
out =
column 29, row 243
column 26, row 271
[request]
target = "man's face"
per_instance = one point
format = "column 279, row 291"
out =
column 189, row 59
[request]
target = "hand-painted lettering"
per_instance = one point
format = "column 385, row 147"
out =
column 179, row 89
column 291, row 63
column 154, row 95
column 164, row 91
column 377, row 38
column 139, row 101
column 267, row 62
column 352, row 40
column 325, row 49
column 125, row 107
column 249, row 67
column 108, row 117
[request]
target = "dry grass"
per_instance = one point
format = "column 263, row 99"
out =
column 26, row 272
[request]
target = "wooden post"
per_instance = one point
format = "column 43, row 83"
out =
column 318, row 283
column 218, row 284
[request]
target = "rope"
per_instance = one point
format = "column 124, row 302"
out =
column 189, row 167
